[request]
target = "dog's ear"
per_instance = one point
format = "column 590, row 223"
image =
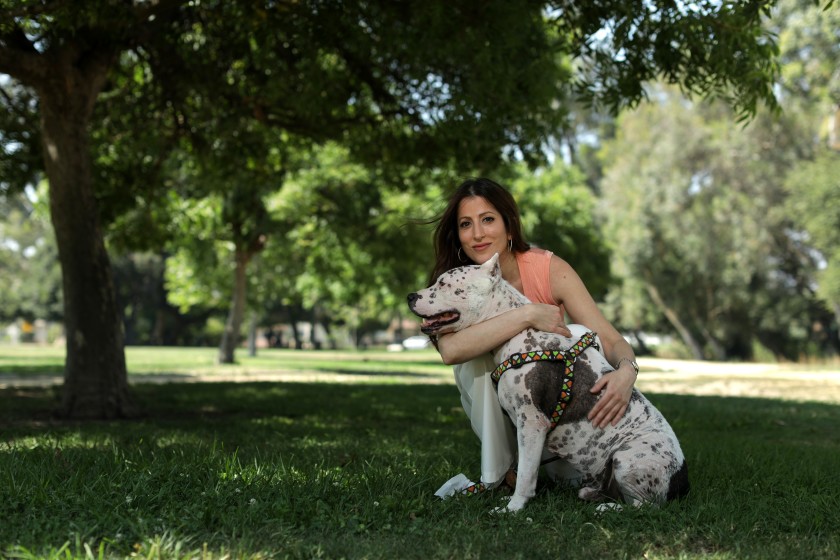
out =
column 492, row 266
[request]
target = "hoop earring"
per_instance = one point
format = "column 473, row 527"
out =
column 459, row 255
column 510, row 245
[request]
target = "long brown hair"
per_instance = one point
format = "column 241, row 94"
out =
column 446, row 240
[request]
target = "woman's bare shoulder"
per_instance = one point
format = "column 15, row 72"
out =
column 560, row 266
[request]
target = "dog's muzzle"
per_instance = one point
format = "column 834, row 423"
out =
column 431, row 323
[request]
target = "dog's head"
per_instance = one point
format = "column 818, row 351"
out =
column 457, row 299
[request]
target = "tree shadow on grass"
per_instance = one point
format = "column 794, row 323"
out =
column 397, row 373
column 38, row 368
column 288, row 463
column 209, row 407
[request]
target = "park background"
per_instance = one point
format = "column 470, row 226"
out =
column 187, row 175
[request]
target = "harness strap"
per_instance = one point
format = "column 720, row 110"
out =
column 568, row 357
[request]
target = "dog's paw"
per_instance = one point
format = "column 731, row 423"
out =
column 514, row 504
column 590, row 494
column 503, row 510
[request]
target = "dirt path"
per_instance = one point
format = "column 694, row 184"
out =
column 739, row 380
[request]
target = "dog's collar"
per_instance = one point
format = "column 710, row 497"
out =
column 568, row 357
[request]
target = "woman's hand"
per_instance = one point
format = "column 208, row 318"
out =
column 615, row 389
column 548, row 318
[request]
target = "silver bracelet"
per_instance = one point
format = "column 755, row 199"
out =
column 632, row 363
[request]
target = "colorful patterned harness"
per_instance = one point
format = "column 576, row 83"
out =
column 568, row 357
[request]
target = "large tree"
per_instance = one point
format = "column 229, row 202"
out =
column 809, row 51
column 316, row 69
column 396, row 80
column 814, row 187
column 695, row 210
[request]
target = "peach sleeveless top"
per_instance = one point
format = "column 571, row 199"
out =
column 534, row 272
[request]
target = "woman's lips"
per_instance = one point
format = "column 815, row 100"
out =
column 479, row 248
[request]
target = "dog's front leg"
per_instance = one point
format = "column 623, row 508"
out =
column 531, row 433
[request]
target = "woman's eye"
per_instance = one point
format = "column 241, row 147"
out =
column 463, row 225
column 488, row 219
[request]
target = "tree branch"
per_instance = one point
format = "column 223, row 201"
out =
column 32, row 10
column 20, row 59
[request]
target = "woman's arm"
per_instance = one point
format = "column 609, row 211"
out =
column 615, row 388
column 478, row 339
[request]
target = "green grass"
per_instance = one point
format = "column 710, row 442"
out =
column 326, row 470
column 145, row 360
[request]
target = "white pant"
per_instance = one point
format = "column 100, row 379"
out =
column 489, row 422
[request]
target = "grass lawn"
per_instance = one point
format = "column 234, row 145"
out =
column 145, row 362
column 331, row 470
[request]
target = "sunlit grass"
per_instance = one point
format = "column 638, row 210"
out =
column 25, row 360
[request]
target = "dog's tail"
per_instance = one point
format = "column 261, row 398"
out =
column 679, row 486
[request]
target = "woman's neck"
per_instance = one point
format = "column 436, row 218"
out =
column 510, row 269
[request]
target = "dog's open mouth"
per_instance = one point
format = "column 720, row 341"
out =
column 434, row 323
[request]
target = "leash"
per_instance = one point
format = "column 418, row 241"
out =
column 479, row 487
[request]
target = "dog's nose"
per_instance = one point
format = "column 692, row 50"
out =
column 413, row 297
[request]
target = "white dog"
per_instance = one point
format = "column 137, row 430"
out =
column 546, row 386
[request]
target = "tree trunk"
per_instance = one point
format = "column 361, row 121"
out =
column 233, row 326
column 325, row 322
column 159, row 330
column 643, row 348
column 293, row 321
column 836, row 307
column 313, row 339
column 673, row 318
column 718, row 352
column 252, row 335
column 95, row 377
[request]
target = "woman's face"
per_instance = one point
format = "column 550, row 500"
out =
column 481, row 229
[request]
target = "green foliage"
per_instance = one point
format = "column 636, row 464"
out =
column 148, row 318
column 708, row 48
column 339, row 240
column 20, row 138
column 808, row 53
column 398, row 83
column 131, row 144
column 349, row 247
column 693, row 206
column 558, row 214
column 813, row 187
column 30, row 278
column 200, row 270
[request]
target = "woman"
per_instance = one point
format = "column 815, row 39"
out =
column 482, row 219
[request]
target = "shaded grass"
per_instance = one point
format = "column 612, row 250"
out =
column 315, row 470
